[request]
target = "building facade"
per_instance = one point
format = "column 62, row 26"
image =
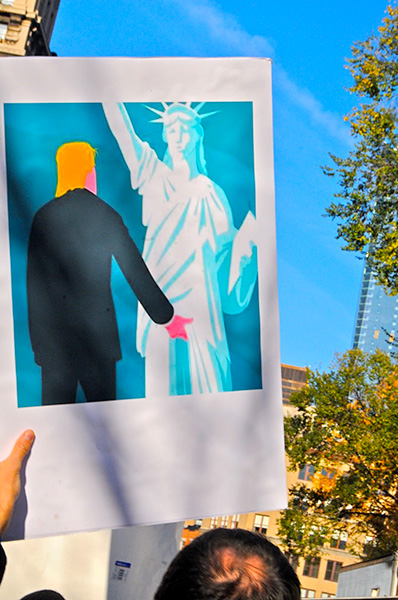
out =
column 369, row 579
column 318, row 576
column 293, row 379
column 26, row 27
column 376, row 323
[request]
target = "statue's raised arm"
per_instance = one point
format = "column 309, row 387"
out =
column 130, row 144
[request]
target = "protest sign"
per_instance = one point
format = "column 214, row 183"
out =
column 139, row 324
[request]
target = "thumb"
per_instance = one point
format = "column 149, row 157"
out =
column 21, row 448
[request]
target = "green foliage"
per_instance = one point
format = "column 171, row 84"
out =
column 346, row 426
column 367, row 206
column 301, row 531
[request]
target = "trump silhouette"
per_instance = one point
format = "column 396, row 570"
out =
column 72, row 319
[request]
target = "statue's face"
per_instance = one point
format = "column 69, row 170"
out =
column 181, row 138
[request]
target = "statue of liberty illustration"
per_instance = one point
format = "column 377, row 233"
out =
column 199, row 259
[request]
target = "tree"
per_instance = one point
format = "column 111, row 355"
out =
column 346, row 426
column 367, row 207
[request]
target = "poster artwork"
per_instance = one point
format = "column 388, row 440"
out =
column 139, row 334
column 78, row 333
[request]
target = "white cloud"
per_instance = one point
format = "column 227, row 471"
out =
column 303, row 98
column 224, row 29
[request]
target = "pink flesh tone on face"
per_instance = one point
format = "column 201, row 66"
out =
column 91, row 181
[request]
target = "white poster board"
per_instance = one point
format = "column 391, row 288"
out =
column 184, row 161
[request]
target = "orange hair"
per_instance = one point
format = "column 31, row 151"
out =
column 74, row 161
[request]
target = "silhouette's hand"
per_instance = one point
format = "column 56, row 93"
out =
column 176, row 328
column 10, row 482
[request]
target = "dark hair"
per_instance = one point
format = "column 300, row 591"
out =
column 44, row 595
column 229, row 564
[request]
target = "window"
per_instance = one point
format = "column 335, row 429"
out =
column 7, row 2
column 261, row 523
column 198, row 522
column 311, row 567
column 328, row 474
column 339, row 540
column 326, row 595
column 3, row 31
column 234, row 521
column 332, row 570
column 224, row 521
column 307, row 593
column 306, row 472
column 213, row 522
column 375, row 593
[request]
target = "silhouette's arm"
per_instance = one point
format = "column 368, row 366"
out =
column 147, row 290
column 140, row 279
column 122, row 128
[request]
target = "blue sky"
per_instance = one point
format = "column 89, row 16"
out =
column 308, row 42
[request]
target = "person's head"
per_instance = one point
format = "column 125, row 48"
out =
column 75, row 167
column 44, row 595
column 183, row 134
column 229, row 564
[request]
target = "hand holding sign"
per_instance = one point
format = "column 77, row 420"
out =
column 10, row 482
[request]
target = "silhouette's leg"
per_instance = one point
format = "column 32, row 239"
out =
column 59, row 385
column 97, row 377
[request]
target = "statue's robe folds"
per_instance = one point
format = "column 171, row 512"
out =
column 187, row 248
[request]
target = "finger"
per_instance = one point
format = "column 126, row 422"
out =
column 21, row 447
column 187, row 321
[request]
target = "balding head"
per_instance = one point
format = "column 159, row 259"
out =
column 230, row 564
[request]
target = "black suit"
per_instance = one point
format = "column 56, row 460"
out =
column 72, row 320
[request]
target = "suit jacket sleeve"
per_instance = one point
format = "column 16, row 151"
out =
column 140, row 279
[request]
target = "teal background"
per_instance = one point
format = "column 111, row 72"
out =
column 33, row 133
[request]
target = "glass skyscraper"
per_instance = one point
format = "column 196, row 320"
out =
column 376, row 324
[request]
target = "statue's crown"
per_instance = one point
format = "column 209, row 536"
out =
column 181, row 110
